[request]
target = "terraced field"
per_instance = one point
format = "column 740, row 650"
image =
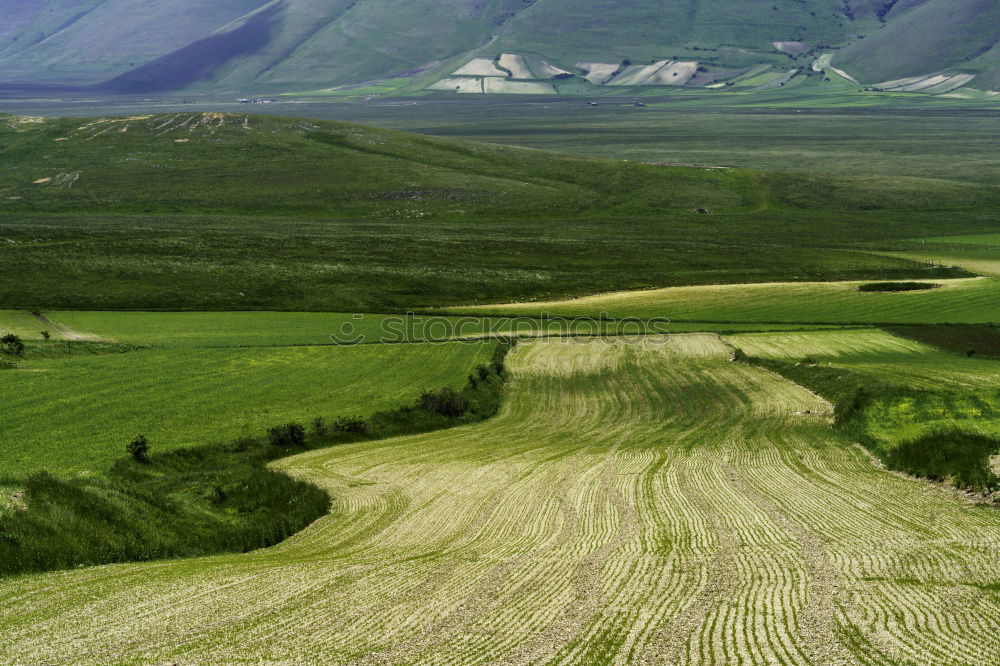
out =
column 974, row 300
column 634, row 502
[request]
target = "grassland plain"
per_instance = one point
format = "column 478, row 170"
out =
column 975, row 300
column 977, row 253
column 636, row 502
column 23, row 324
column 69, row 414
column 908, row 137
column 313, row 215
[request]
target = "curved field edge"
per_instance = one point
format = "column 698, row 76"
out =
column 207, row 499
column 631, row 502
column 919, row 410
column 69, row 411
column 972, row 300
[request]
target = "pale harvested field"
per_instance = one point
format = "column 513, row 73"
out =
column 632, row 503
column 517, row 65
column 479, row 67
column 598, row 73
column 495, row 86
column 462, row 85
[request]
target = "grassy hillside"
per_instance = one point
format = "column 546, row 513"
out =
column 958, row 35
column 633, row 502
column 649, row 29
column 202, row 211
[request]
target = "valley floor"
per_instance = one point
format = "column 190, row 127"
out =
column 636, row 501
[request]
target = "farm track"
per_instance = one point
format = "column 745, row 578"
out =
column 634, row 502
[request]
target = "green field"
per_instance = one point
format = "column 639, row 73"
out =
column 707, row 446
column 641, row 501
column 276, row 329
column 879, row 354
column 71, row 414
column 335, row 217
column 891, row 392
column 974, row 300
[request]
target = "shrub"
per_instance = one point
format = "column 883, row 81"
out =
column 319, row 428
column 241, row 445
column 963, row 457
column 12, row 345
column 290, row 434
column 897, row 286
column 46, row 335
column 354, row 425
column 139, row 449
column 445, row 401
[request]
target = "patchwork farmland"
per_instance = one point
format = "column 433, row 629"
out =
column 339, row 395
column 638, row 501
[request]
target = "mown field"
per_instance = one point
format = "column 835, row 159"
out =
column 632, row 502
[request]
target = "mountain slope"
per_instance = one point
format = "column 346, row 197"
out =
column 298, row 45
column 85, row 41
column 959, row 35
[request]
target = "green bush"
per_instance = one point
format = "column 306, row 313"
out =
column 444, row 401
column 139, row 449
column 897, row 286
column 354, row 425
column 949, row 454
column 12, row 345
column 284, row 436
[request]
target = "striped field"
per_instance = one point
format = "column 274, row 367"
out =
column 973, row 300
column 875, row 352
column 634, row 502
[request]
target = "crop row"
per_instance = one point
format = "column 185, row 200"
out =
column 637, row 502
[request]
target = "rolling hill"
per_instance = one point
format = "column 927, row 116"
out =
column 193, row 210
column 502, row 46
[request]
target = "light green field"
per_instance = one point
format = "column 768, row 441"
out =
column 990, row 240
column 979, row 253
column 75, row 413
column 878, row 354
column 975, row 300
column 261, row 329
column 23, row 324
column 946, row 390
column 632, row 503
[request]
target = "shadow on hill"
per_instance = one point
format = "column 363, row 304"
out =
column 199, row 60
